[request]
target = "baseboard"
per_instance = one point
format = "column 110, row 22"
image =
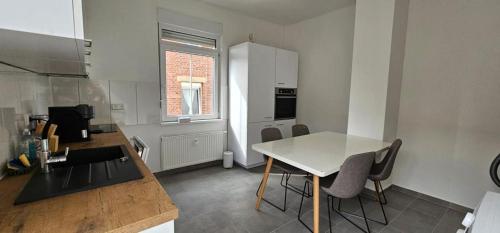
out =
column 432, row 199
column 250, row 166
column 189, row 168
column 371, row 193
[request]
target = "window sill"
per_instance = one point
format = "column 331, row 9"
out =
column 194, row 122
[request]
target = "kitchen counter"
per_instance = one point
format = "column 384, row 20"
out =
column 126, row 207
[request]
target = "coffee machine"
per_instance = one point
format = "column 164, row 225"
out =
column 72, row 122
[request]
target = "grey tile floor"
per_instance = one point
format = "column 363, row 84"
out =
column 222, row 200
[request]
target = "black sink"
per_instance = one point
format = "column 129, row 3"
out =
column 83, row 170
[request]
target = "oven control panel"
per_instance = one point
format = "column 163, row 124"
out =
column 286, row 91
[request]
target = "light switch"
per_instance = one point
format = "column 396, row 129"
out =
column 117, row 107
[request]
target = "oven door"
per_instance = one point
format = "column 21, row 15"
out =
column 285, row 107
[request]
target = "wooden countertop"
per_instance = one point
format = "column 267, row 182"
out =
column 127, row 207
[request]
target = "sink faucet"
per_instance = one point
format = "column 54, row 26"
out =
column 46, row 158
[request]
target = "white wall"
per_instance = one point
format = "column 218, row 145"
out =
column 449, row 116
column 370, row 68
column 324, row 44
column 125, row 48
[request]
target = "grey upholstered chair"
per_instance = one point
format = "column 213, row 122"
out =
column 299, row 130
column 347, row 183
column 273, row 134
column 381, row 171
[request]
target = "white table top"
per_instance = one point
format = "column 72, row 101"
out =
column 320, row 154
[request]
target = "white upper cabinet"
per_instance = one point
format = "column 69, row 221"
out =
column 287, row 63
column 50, row 17
column 261, row 77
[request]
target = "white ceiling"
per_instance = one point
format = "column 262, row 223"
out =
column 282, row 11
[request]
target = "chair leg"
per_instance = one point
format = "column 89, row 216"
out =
column 328, row 207
column 269, row 202
column 286, row 189
column 364, row 215
column 377, row 191
column 382, row 205
column 306, row 183
column 309, row 192
column 384, row 202
column 385, row 222
column 293, row 187
column 356, row 225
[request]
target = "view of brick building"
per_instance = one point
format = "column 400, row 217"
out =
column 189, row 84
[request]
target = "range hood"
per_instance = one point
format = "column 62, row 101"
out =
column 44, row 54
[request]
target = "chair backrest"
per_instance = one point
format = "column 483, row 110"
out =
column 299, row 130
column 383, row 169
column 352, row 176
column 270, row 134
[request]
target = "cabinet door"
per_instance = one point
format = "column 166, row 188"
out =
column 261, row 74
column 287, row 67
column 56, row 18
column 254, row 137
column 286, row 127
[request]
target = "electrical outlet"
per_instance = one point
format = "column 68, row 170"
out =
column 117, row 107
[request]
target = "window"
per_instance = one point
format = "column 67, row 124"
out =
column 189, row 75
column 191, row 91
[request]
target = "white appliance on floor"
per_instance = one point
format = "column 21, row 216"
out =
column 254, row 72
column 486, row 217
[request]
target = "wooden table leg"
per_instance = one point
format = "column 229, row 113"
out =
column 262, row 187
column 316, row 203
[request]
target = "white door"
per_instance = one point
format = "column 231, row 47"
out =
column 286, row 127
column 261, row 76
column 287, row 67
column 254, row 137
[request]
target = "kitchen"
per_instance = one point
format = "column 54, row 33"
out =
column 327, row 49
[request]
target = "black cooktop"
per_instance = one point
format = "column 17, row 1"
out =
column 103, row 128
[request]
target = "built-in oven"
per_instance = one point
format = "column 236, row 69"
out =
column 285, row 103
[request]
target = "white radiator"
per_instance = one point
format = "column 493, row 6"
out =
column 189, row 149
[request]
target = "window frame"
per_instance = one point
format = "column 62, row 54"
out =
column 199, row 94
column 174, row 47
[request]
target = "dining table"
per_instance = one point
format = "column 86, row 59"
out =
column 320, row 154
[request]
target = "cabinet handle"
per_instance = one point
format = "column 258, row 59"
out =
column 281, row 83
column 281, row 124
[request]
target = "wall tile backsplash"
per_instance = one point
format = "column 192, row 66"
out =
column 125, row 94
column 31, row 94
column 96, row 93
column 8, row 136
column 65, row 91
column 26, row 93
column 148, row 103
